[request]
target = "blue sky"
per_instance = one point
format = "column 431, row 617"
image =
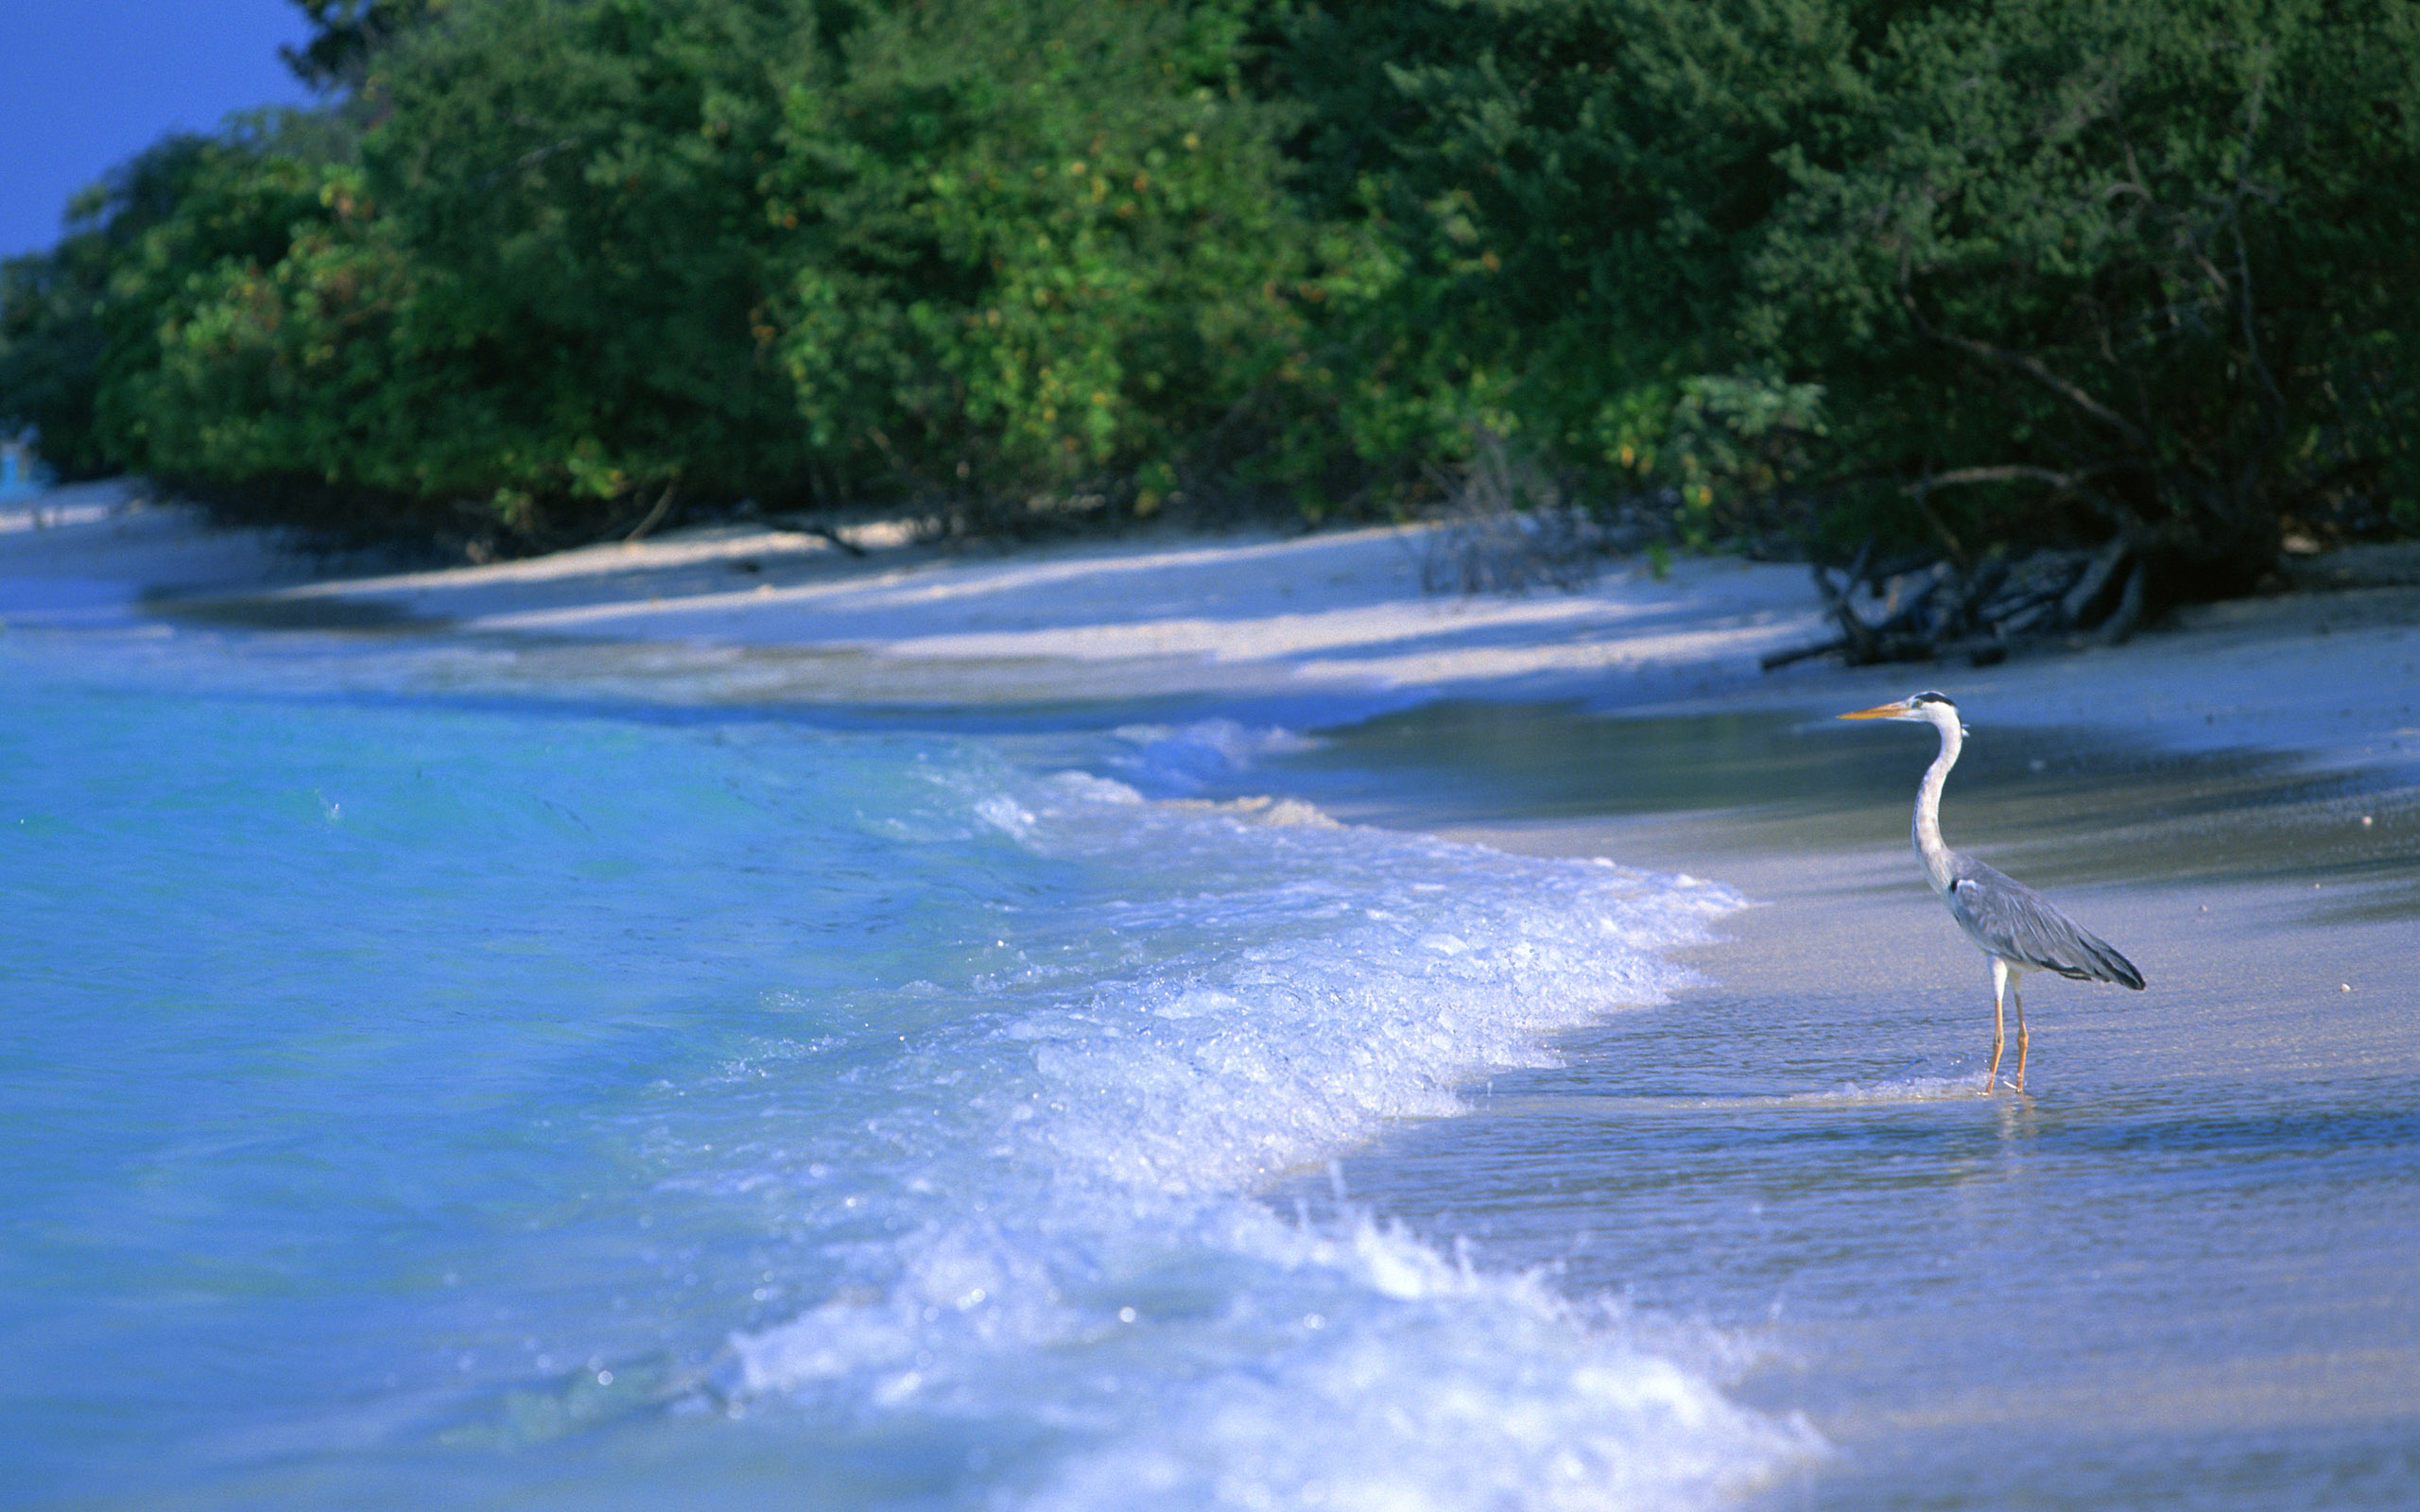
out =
column 88, row 83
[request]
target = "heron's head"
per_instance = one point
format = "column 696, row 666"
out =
column 1927, row 708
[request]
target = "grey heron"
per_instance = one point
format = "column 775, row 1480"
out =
column 2016, row 927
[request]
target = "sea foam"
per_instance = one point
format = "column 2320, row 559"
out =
column 1084, row 1283
column 584, row 1073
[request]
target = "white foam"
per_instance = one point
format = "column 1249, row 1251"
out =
column 1898, row 1089
column 1434, row 1386
column 1239, row 1001
column 1182, row 759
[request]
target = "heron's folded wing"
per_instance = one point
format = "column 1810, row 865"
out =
column 2013, row 921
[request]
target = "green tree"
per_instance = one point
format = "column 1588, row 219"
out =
column 2046, row 269
column 346, row 36
column 56, row 306
column 1576, row 186
column 1041, row 245
column 2095, row 267
column 592, row 252
column 192, row 300
column 526, row 302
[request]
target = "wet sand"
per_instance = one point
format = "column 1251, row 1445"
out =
column 2183, row 1270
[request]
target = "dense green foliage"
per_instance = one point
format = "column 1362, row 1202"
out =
column 1040, row 244
column 2153, row 266
column 1772, row 273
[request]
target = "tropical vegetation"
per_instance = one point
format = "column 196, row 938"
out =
column 1769, row 275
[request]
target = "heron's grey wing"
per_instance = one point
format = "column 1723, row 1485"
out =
column 2012, row 920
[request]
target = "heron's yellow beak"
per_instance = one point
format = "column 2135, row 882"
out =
column 1880, row 711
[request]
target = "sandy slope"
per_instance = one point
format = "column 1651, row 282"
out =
column 1336, row 613
column 1176, row 614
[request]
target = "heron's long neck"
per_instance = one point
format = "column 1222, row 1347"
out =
column 1930, row 848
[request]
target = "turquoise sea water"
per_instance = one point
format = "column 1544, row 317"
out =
column 416, row 1091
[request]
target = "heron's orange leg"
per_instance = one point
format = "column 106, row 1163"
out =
column 2017, row 996
column 2000, row 1032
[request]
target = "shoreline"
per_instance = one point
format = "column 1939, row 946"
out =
column 1335, row 619
column 2232, row 799
column 1637, row 702
column 1489, row 713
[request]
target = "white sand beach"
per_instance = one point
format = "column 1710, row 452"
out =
column 1340, row 613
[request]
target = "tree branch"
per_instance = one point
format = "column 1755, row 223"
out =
column 2032, row 366
column 653, row 516
column 2273, row 401
column 2005, row 473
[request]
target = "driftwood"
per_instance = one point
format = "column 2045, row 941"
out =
column 1917, row 610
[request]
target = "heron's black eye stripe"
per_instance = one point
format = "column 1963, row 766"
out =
column 1929, row 697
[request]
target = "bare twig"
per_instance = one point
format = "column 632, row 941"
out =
column 663, row 502
column 835, row 538
column 1505, row 529
column 2005, row 473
